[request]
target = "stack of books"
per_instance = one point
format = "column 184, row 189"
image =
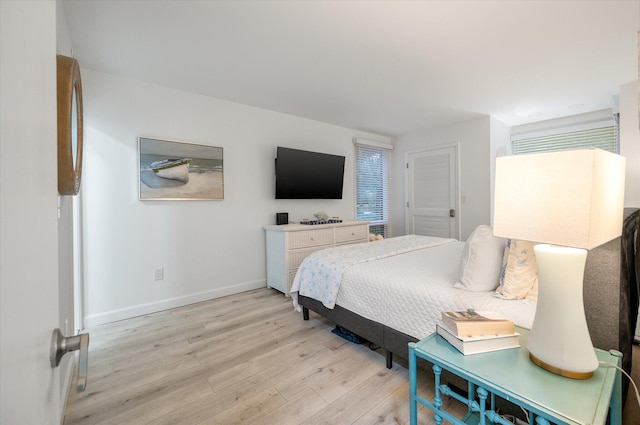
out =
column 473, row 332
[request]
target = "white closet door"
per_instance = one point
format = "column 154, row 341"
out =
column 432, row 182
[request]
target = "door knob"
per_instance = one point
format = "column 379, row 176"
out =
column 61, row 345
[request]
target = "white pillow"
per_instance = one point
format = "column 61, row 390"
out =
column 481, row 261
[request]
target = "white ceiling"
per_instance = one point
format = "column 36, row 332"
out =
column 380, row 66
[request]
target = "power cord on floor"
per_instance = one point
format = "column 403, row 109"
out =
column 628, row 376
column 514, row 420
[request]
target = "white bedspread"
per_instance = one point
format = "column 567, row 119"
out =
column 408, row 291
column 320, row 274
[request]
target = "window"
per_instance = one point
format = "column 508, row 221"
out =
column 583, row 131
column 372, row 185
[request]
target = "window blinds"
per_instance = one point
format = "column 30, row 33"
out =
column 598, row 129
column 604, row 138
column 372, row 185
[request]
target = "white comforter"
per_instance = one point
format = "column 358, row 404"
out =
column 408, row 291
column 320, row 274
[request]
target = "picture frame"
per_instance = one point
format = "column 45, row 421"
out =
column 175, row 170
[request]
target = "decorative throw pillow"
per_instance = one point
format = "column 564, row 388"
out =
column 519, row 273
column 532, row 295
column 481, row 260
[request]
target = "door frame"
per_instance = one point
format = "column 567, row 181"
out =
column 78, row 269
column 456, row 197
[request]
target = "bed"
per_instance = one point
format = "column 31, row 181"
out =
column 387, row 300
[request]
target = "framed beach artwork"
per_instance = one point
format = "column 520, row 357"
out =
column 172, row 170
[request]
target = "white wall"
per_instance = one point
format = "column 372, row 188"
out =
column 475, row 163
column 500, row 145
column 630, row 141
column 207, row 248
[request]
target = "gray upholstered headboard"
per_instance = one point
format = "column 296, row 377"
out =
column 611, row 290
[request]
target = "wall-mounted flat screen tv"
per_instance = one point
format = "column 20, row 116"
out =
column 308, row 175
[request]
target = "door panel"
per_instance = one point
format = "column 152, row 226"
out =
column 29, row 302
column 431, row 226
column 432, row 182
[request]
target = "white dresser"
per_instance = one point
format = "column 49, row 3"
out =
column 287, row 245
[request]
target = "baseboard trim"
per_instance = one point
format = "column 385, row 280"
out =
column 154, row 307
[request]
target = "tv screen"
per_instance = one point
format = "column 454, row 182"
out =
column 308, row 175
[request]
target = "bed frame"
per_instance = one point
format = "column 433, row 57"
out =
column 611, row 286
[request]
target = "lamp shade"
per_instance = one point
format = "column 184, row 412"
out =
column 571, row 201
column 570, row 198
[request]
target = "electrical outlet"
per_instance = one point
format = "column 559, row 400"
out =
column 158, row 274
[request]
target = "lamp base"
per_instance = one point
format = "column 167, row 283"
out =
column 558, row 371
column 559, row 340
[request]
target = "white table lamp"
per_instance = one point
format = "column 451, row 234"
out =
column 572, row 200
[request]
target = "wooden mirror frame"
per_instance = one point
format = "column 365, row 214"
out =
column 69, row 89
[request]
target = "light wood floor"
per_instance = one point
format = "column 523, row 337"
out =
column 243, row 359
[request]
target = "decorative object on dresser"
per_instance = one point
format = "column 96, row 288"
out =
column 287, row 245
column 282, row 218
column 309, row 222
column 573, row 200
column 321, row 216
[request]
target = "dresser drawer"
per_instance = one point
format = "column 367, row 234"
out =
column 296, row 257
column 310, row 238
column 351, row 233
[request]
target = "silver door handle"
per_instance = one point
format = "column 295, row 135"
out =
column 61, row 345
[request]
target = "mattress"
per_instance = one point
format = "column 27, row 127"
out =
column 408, row 292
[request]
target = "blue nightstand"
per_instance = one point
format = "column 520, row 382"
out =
column 509, row 374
